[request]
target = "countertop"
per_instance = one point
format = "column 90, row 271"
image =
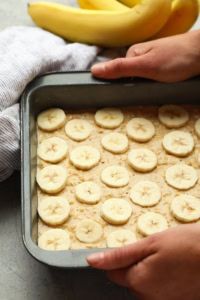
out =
column 21, row 276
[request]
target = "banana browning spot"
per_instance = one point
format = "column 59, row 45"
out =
column 54, row 240
column 181, row 176
column 150, row 223
column 120, row 238
column 116, row 211
column 186, row 208
column 88, row 231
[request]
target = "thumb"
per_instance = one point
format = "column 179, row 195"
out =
column 122, row 257
column 139, row 66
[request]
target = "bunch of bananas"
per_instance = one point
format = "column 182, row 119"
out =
column 113, row 23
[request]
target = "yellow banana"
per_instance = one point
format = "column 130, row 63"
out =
column 105, row 28
column 183, row 16
column 130, row 3
column 102, row 5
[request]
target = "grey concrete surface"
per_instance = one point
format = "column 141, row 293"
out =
column 22, row 277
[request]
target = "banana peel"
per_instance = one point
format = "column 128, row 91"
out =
column 102, row 5
column 104, row 28
column 183, row 16
column 130, row 3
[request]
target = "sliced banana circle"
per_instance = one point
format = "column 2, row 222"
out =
column 140, row 129
column 178, row 143
column 88, row 192
column 142, row 160
column 88, row 231
column 145, row 193
column 54, row 210
column 197, row 127
column 85, row 157
column 115, row 142
column 186, row 208
column 54, row 240
column 51, row 119
column 109, row 118
column 78, row 129
column 181, row 176
column 173, row 116
column 53, row 150
column 52, row 179
column 120, row 238
column 116, row 211
column 150, row 223
column 115, row 176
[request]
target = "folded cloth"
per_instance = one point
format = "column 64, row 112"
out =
column 26, row 52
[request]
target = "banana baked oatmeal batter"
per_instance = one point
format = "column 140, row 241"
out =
column 109, row 177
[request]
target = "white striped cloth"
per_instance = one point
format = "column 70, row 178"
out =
column 26, row 52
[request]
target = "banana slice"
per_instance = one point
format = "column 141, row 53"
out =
column 88, row 192
column 52, row 179
column 178, row 143
column 51, row 119
column 120, row 238
column 186, row 208
column 140, row 130
column 145, row 193
column 142, row 160
column 54, row 210
column 115, row 176
column 78, row 130
column 116, row 211
column 115, row 142
column 53, row 150
column 150, row 223
column 88, row 231
column 197, row 127
column 181, row 176
column 54, row 240
column 173, row 116
column 109, row 118
column 85, row 157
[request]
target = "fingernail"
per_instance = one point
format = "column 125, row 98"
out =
column 95, row 258
column 98, row 69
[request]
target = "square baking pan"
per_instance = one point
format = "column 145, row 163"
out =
column 77, row 90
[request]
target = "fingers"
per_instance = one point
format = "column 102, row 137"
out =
column 135, row 64
column 125, row 278
column 139, row 49
column 140, row 66
column 116, row 68
column 119, row 276
column 122, row 257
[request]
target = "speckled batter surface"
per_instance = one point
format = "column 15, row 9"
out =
column 81, row 211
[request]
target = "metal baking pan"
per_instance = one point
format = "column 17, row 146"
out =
column 75, row 90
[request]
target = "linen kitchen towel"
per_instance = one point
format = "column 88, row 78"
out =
column 26, row 52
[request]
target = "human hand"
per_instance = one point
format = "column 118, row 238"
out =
column 168, row 59
column 164, row 266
